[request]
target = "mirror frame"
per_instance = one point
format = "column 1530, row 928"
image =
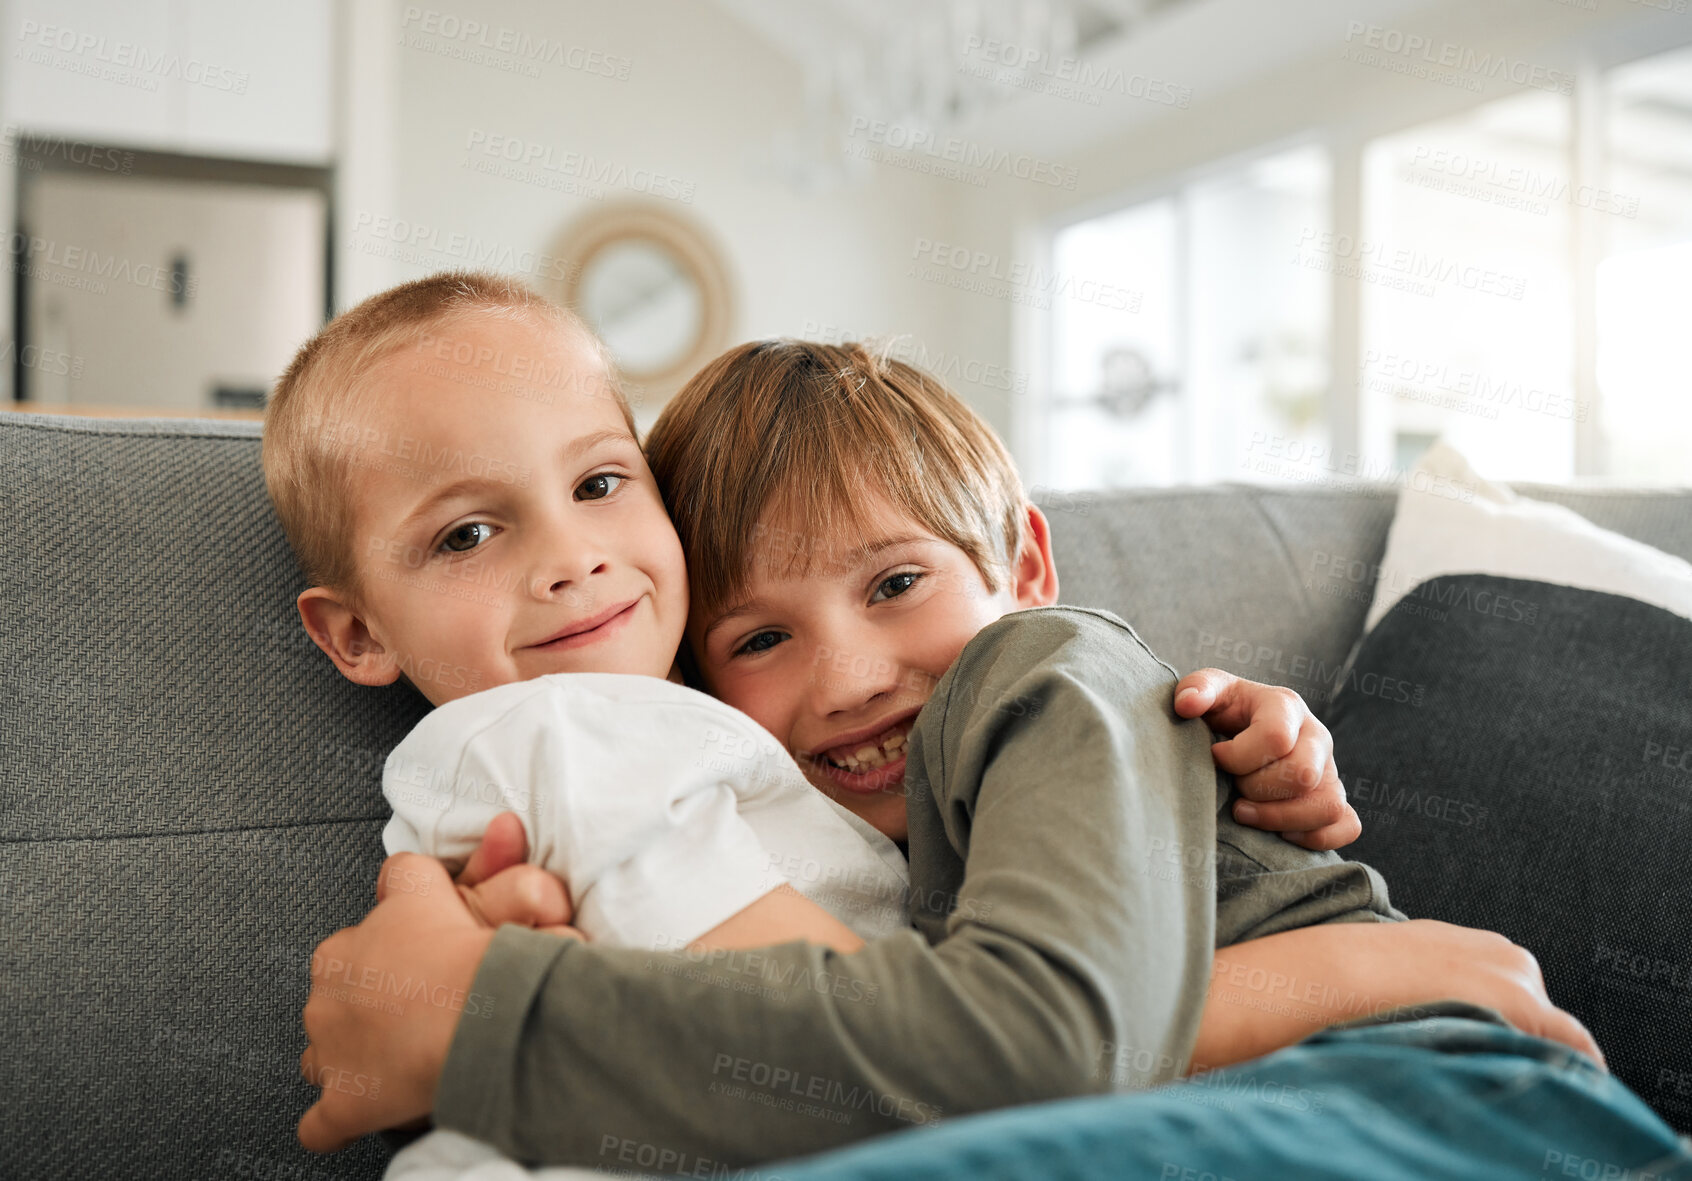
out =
column 583, row 239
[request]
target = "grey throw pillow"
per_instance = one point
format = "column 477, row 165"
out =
column 1521, row 755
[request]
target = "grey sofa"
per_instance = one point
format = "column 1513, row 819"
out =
column 190, row 799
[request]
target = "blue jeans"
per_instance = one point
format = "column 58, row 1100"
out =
column 1449, row 1096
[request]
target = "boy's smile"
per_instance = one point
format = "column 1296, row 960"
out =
column 592, row 630
column 838, row 660
column 501, row 533
column 869, row 759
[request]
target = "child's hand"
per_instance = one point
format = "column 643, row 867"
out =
column 378, row 1061
column 1281, row 757
column 499, row 887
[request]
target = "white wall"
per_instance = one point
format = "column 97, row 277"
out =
column 702, row 102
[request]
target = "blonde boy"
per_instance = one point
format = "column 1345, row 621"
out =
column 458, row 473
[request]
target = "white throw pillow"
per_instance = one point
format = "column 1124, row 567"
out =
column 1497, row 532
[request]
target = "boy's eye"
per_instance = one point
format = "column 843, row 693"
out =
column 598, row 486
column 465, row 537
column 895, row 585
column 761, row 642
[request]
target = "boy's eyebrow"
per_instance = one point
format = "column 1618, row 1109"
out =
column 863, row 553
column 477, row 483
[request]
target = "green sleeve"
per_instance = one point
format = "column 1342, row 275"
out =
column 1047, row 775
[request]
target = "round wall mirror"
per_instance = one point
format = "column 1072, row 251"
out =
column 654, row 288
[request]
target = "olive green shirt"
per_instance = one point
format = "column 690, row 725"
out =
column 1073, row 866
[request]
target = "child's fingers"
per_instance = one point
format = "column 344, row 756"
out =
column 1306, row 766
column 504, row 844
column 321, row 1131
column 1276, row 734
column 523, row 894
column 1309, row 824
column 1267, row 718
column 1197, row 691
column 408, row 873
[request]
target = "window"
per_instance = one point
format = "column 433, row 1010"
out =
column 1643, row 306
column 1464, row 272
column 1223, row 346
column 1516, row 278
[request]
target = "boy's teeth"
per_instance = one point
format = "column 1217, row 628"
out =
column 870, row 756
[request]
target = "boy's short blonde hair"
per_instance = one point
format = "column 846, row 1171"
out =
column 308, row 470
column 795, row 431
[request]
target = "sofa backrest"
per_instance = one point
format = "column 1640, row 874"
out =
column 1273, row 583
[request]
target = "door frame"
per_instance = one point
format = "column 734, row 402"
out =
column 40, row 155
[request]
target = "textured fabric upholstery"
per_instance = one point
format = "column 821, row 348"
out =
column 191, row 801
column 191, row 794
column 1268, row 583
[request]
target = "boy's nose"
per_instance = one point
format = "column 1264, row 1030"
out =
column 844, row 679
column 553, row 587
column 564, row 557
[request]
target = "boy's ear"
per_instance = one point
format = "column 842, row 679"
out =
column 341, row 632
column 1034, row 579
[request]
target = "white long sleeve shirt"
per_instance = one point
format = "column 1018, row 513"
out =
column 664, row 810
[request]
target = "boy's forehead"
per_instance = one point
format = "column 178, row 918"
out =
column 468, row 401
column 823, row 541
column 526, row 356
column 494, row 372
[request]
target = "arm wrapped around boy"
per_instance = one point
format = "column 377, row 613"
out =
column 1073, row 867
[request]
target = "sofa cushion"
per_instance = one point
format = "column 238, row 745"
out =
column 1529, row 771
column 192, row 802
column 1499, row 532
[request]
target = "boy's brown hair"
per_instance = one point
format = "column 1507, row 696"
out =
column 793, row 430
column 308, row 465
